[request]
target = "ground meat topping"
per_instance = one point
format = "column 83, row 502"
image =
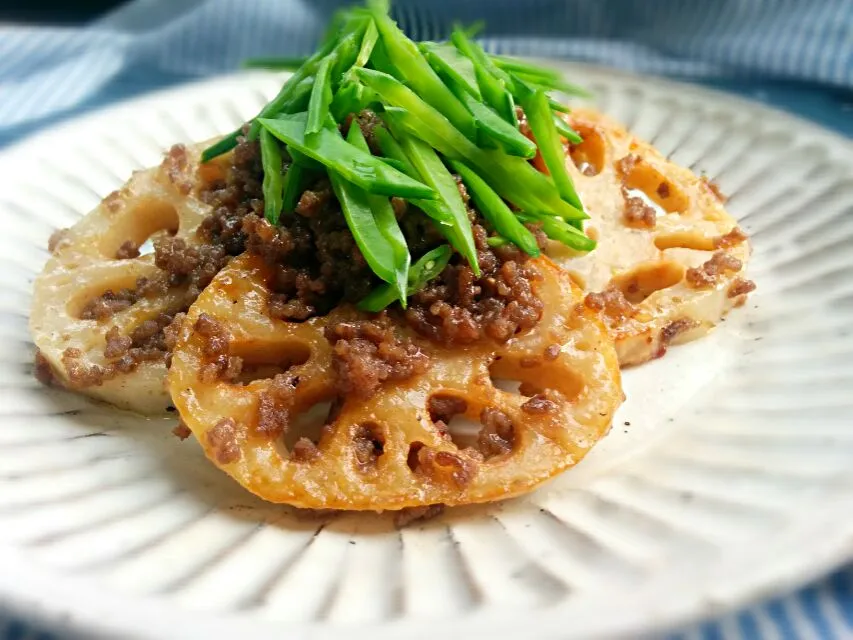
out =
column 177, row 166
column 127, row 250
column 670, row 331
column 313, row 201
column 409, row 515
column 108, row 304
column 219, row 364
column 497, row 435
column 182, row 431
column 81, row 374
column 706, row 276
column 443, row 407
column 58, row 239
column 117, row 345
column 459, row 308
column 733, row 238
column 714, row 188
column 146, row 343
column 222, row 438
column 318, row 266
column 625, row 165
column 43, row 370
column 612, row 302
column 637, row 213
column 741, row 287
column 539, row 404
column 367, row 445
column 274, row 404
column 304, row 450
column 368, row 353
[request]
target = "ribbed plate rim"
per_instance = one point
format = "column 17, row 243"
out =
column 27, row 591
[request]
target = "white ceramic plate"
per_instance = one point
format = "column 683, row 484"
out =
column 734, row 478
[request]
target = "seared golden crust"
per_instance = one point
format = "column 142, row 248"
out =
column 111, row 346
column 392, row 450
column 670, row 260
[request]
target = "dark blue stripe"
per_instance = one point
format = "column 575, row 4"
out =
column 842, row 590
column 781, row 620
column 711, row 631
column 748, row 626
column 810, row 600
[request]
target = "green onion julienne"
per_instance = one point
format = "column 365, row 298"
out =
column 495, row 210
column 440, row 107
column 429, row 266
column 330, row 149
column 372, row 241
column 386, row 222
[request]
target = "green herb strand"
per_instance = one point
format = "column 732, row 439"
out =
column 329, row 148
column 495, row 210
column 386, row 222
column 429, row 266
column 561, row 231
column 273, row 184
column 541, row 122
column 321, row 97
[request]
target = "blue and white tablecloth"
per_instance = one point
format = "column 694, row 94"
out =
column 795, row 54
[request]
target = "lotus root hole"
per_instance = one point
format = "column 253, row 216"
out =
column 368, row 445
column 305, row 431
column 642, row 281
column 137, row 228
column 644, row 181
column 265, row 361
column 443, row 407
column 588, row 155
column 535, row 377
column 413, row 457
column 118, row 294
column 684, row 240
column 491, row 435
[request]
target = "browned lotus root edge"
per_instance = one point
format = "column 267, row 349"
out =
column 413, row 463
column 670, row 260
column 87, row 260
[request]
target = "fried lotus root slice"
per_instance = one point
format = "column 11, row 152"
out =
column 390, row 451
column 95, row 327
column 670, row 260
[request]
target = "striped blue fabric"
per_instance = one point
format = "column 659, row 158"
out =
column 50, row 73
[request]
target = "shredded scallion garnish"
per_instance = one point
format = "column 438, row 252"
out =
column 444, row 108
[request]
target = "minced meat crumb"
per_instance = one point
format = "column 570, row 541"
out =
column 539, row 404
column 223, row 441
column 734, row 237
column 368, row 353
column 741, row 287
column 612, row 302
column 638, row 214
column 410, row 515
column 43, row 369
column 706, row 275
column 219, row 364
column 670, row 331
column 182, row 431
column 460, row 308
column 443, row 407
column 714, row 188
column 127, row 250
column 497, row 435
